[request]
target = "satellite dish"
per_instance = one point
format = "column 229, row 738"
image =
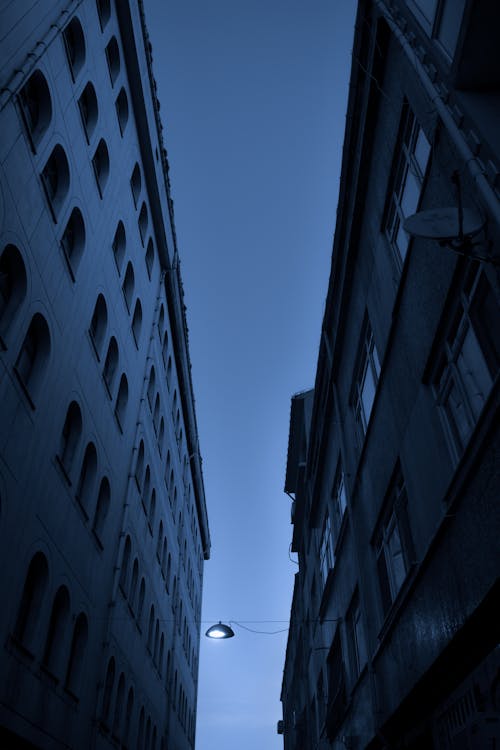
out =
column 443, row 224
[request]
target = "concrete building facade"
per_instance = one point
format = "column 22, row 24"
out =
column 395, row 481
column 103, row 521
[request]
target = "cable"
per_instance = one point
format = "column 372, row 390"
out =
column 260, row 632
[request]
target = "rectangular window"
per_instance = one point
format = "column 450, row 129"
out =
column 331, row 525
column 326, row 550
column 356, row 639
column 406, row 187
column 469, row 361
column 366, row 379
column 440, row 19
column 336, row 688
column 393, row 543
column 339, row 500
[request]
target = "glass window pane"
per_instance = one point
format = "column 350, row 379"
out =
column 367, row 393
column 425, row 10
column 402, row 241
column 449, row 24
column 421, row 151
column 457, row 414
column 411, row 194
column 474, row 372
column 395, row 560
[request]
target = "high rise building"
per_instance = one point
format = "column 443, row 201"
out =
column 395, row 475
column 103, row 522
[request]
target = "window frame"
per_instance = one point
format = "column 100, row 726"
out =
column 405, row 163
column 450, row 374
column 368, row 361
column 394, row 516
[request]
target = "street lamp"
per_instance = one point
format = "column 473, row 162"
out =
column 220, row 631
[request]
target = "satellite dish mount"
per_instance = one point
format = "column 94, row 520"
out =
column 453, row 227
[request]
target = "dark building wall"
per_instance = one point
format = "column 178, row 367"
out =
column 392, row 653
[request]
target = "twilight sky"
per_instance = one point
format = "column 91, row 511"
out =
column 253, row 98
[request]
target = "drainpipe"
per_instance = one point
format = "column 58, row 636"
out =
column 475, row 169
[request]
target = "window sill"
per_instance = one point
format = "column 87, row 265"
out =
column 393, row 612
column 20, row 648
column 67, row 261
column 118, row 423
column 63, row 470
column 24, row 388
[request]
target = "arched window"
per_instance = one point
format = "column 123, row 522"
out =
column 100, row 163
column 113, row 58
column 159, row 542
column 108, row 690
column 12, row 285
column 169, row 372
column 169, row 665
column 152, row 509
column 164, row 351
column 145, row 488
column 140, row 731
column 121, row 401
column 150, row 257
column 118, row 245
column 151, row 628
column 161, row 435
column 55, row 179
column 35, row 585
column 128, row 717
column 33, row 356
column 161, row 321
column 128, row 286
column 127, row 550
column 164, row 557
column 137, row 321
column 36, row 106
column 156, row 642
column 136, row 183
column 110, row 365
column 151, row 386
column 101, row 510
column 74, row 41
column 133, row 583
column 140, row 603
column 120, row 698
column 143, row 222
column 70, row 437
column 174, row 591
column 89, row 111
column 104, row 12
column 86, row 481
column 98, row 324
column 139, row 466
column 174, row 698
column 169, row 570
column 121, row 106
column 156, row 413
column 160, row 656
column 77, row 655
column 55, row 644
column 73, row 241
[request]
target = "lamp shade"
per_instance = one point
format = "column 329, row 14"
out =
column 220, row 631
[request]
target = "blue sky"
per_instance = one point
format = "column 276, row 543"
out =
column 253, row 98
